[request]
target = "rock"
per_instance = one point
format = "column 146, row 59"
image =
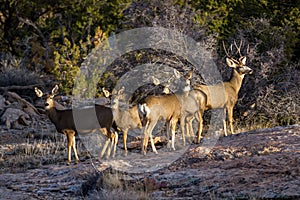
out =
column 102, row 101
column 14, row 116
column 2, row 102
column 137, row 143
column 47, row 183
column 22, row 104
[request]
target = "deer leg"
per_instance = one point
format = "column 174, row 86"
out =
column 189, row 125
column 104, row 131
column 111, row 141
column 173, row 128
column 200, row 126
column 145, row 140
column 145, row 143
column 114, row 140
column 224, row 123
column 74, row 148
column 69, row 151
column 110, row 147
column 104, row 148
column 182, row 125
column 230, row 118
column 125, row 140
column 168, row 124
column 69, row 143
column 115, row 143
column 151, row 127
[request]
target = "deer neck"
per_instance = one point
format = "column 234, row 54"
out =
column 52, row 114
column 184, row 93
column 116, row 111
column 235, row 81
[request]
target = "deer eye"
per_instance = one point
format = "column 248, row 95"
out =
column 239, row 69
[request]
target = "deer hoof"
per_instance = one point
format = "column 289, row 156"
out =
column 197, row 140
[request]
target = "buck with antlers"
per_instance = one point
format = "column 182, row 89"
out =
column 64, row 122
column 225, row 95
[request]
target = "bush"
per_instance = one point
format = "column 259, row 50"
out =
column 13, row 72
column 270, row 96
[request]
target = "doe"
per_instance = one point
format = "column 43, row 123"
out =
column 64, row 122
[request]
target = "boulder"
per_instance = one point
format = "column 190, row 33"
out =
column 13, row 118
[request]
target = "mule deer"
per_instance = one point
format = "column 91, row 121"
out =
column 225, row 94
column 193, row 106
column 64, row 122
column 162, row 107
column 125, row 118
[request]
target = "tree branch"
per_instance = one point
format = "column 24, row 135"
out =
column 40, row 33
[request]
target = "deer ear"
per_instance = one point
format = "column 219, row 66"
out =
column 105, row 92
column 230, row 62
column 120, row 91
column 38, row 92
column 55, row 90
column 243, row 60
column 189, row 75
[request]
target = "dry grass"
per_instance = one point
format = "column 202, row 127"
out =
column 15, row 73
column 114, row 186
column 116, row 194
column 269, row 150
column 33, row 154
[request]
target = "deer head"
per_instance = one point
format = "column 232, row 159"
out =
column 238, row 65
column 49, row 102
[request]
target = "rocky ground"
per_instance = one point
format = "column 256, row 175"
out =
column 261, row 164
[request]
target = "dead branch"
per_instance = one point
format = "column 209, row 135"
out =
column 18, row 87
column 25, row 105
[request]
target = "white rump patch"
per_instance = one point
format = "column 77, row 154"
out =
column 144, row 109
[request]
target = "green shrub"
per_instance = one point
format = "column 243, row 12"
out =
column 270, row 96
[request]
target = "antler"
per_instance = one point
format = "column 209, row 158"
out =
column 225, row 50
column 248, row 49
column 238, row 48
